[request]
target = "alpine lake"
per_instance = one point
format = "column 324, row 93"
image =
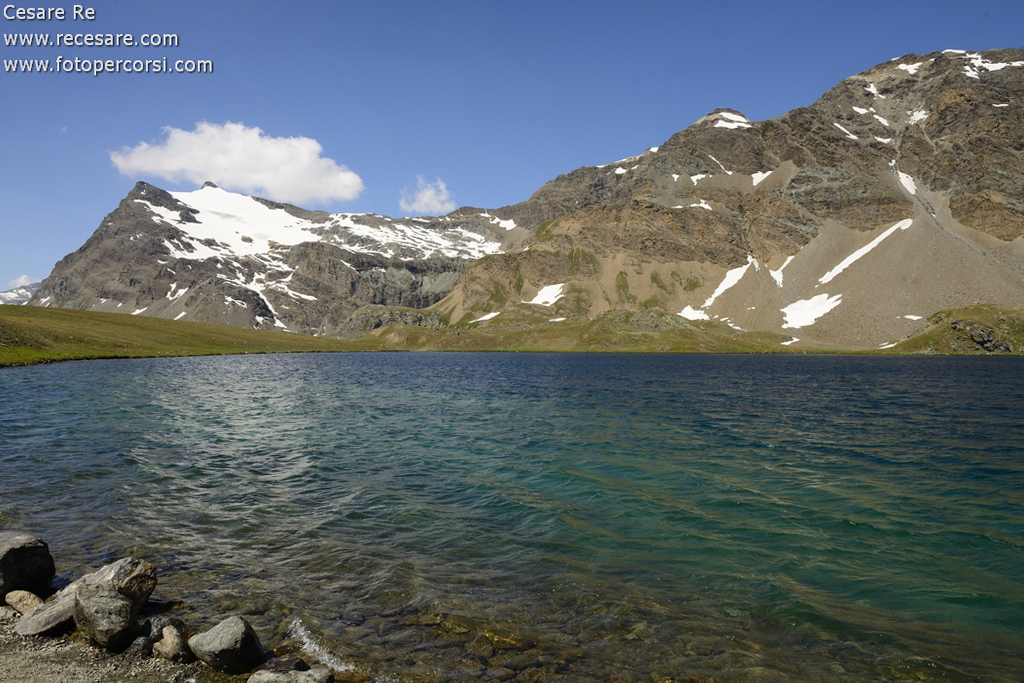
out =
column 550, row 517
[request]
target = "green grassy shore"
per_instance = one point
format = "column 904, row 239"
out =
column 30, row 335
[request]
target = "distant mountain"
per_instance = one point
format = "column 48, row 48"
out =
column 217, row 256
column 847, row 223
column 19, row 296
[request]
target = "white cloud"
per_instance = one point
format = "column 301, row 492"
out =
column 244, row 159
column 22, row 280
column 430, row 198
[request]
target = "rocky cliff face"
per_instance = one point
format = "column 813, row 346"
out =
column 900, row 192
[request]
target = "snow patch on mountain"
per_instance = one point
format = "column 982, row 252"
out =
column 910, row 68
column 230, row 224
column 730, row 279
column 691, row 313
column 727, row 172
column 732, row 121
column 547, row 296
column 777, row 274
column 848, row 133
column 508, row 224
column 852, row 258
column 806, row 311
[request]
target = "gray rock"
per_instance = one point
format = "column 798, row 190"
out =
column 231, row 646
column 131, row 577
column 50, row 618
column 25, row 563
column 142, row 645
column 105, row 615
column 317, row 675
column 155, row 626
column 172, row 646
column 23, row 601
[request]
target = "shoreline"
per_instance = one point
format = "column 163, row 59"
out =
column 62, row 659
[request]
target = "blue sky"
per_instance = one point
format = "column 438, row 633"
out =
column 412, row 107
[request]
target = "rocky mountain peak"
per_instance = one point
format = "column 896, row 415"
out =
column 729, row 119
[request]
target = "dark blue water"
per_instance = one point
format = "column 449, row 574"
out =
column 556, row 517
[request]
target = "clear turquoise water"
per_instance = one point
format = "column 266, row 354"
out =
column 429, row 517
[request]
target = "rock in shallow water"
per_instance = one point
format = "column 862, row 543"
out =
column 317, row 675
column 284, row 664
column 231, row 646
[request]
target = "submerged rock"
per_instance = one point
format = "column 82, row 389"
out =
column 25, row 563
column 317, row 675
column 231, row 646
column 284, row 664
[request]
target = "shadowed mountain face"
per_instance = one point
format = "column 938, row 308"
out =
column 898, row 193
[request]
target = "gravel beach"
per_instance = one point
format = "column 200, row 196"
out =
column 62, row 660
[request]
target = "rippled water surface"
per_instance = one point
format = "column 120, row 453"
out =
column 429, row 517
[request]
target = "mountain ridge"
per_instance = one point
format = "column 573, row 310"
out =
column 896, row 194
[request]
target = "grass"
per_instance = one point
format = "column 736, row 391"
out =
column 30, row 335
column 984, row 329
column 659, row 283
column 617, row 331
column 622, row 288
